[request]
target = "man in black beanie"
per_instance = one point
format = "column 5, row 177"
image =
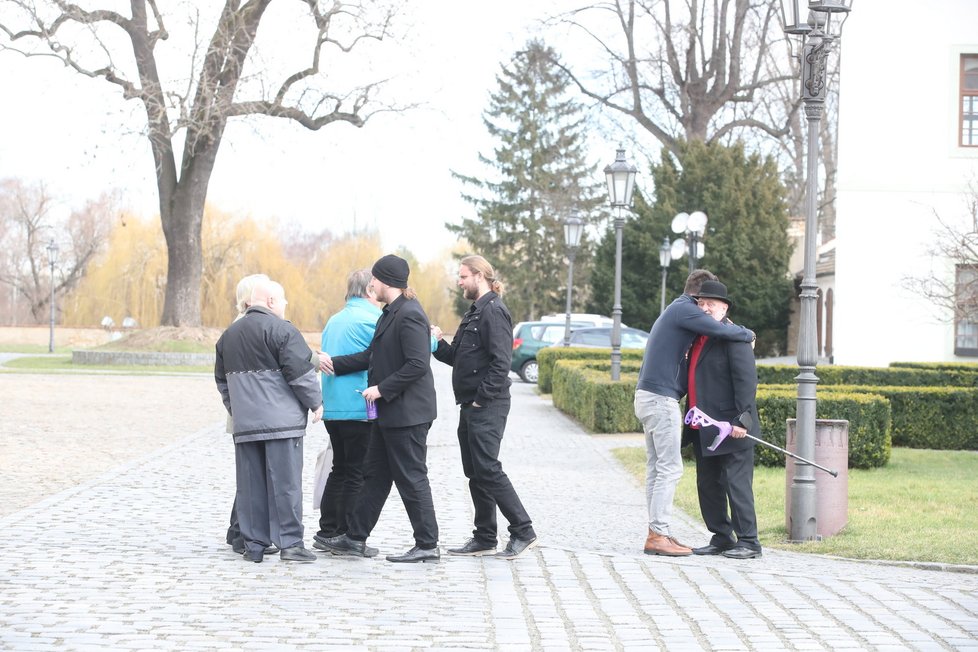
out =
column 400, row 383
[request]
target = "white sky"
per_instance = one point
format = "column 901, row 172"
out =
column 394, row 174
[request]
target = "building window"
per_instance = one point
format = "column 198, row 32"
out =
column 966, row 312
column 969, row 100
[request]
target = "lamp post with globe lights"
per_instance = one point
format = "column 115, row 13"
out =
column 693, row 227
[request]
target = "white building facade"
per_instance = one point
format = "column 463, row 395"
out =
column 908, row 150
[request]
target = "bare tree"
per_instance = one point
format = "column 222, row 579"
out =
column 956, row 242
column 686, row 75
column 198, row 106
column 27, row 225
column 707, row 70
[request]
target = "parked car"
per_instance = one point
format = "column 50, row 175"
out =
column 631, row 338
column 586, row 319
column 531, row 336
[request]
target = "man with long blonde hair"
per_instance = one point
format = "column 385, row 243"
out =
column 480, row 354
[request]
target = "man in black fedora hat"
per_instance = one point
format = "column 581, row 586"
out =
column 661, row 384
column 722, row 381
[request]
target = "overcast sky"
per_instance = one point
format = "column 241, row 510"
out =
column 394, row 174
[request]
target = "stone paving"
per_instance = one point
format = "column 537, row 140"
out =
column 135, row 560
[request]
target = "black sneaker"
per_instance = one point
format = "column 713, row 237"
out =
column 473, row 548
column 516, row 547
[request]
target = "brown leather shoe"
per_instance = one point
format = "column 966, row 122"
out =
column 657, row 544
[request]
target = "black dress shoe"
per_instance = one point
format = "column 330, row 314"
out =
column 256, row 557
column 709, row 549
column 415, row 555
column 516, row 547
column 342, row 545
column 741, row 552
column 319, row 543
column 473, row 548
column 298, row 554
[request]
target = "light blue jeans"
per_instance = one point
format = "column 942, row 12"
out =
column 661, row 421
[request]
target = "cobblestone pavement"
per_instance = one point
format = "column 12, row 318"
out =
column 135, row 559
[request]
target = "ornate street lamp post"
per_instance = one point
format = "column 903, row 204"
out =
column 620, row 176
column 665, row 257
column 573, row 227
column 817, row 36
column 52, row 248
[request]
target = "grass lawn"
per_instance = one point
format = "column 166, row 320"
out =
column 32, row 348
column 920, row 507
column 61, row 364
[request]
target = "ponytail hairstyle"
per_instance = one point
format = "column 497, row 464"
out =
column 480, row 265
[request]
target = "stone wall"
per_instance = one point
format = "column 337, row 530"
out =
column 141, row 358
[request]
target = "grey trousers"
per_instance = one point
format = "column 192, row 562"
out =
column 269, row 496
column 662, row 423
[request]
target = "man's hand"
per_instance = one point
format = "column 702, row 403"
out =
column 325, row 363
column 371, row 393
column 317, row 414
column 436, row 333
column 738, row 432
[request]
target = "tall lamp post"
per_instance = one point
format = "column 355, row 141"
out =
column 573, row 227
column 52, row 248
column 620, row 176
column 817, row 35
column 665, row 257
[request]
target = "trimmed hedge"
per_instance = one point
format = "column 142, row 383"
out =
column 548, row 356
column 582, row 388
column 971, row 367
column 869, row 417
column 941, row 418
column 886, row 376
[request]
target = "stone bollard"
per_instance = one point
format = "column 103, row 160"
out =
column 831, row 494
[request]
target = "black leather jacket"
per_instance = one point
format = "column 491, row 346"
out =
column 481, row 352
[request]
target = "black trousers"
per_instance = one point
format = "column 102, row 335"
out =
column 480, row 433
column 396, row 456
column 349, row 440
column 723, row 480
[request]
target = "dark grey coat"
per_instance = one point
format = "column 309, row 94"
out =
column 266, row 378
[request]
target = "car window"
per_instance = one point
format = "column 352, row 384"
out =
column 595, row 338
column 633, row 340
column 552, row 334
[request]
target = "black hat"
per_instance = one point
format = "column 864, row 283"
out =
column 713, row 290
column 391, row 270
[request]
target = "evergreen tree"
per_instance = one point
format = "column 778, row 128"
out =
column 746, row 241
column 541, row 178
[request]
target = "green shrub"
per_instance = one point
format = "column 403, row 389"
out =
column 548, row 356
column 868, row 416
column 971, row 367
column 583, row 389
column 889, row 376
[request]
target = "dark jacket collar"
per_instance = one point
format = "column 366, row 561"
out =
column 481, row 302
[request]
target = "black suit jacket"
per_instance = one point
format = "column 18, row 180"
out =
column 398, row 362
column 726, row 389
